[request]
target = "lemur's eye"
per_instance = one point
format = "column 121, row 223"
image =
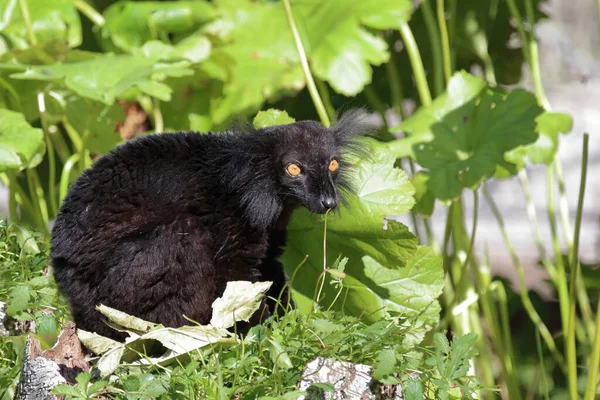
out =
column 333, row 165
column 294, row 169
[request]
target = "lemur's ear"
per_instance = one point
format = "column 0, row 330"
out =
column 350, row 126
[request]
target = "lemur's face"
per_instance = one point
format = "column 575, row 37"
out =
column 310, row 166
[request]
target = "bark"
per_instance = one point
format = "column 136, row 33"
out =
column 42, row 370
column 350, row 381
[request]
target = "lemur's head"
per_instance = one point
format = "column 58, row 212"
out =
column 312, row 163
column 298, row 164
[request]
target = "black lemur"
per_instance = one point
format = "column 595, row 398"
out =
column 157, row 227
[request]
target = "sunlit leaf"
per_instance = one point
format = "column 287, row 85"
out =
column 466, row 133
column 56, row 20
column 106, row 78
column 131, row 24
column 21, row 145
column 271, row 117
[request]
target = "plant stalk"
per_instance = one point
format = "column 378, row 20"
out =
column 27, row 19
column 90, row 12
column 441, row 15
column 416, row 63
column 531, row 311
column 575, row 267
column 310, row 83
column 436, row 47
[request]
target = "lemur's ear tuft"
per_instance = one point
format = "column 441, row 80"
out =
column 352, row 124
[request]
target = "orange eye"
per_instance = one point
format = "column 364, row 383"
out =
column 294, row 169
column 333, row 165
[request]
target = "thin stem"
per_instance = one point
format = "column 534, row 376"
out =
column 561, row 277
column 563, row 207
column 436, row 47
column 324, row 92
column 318, row 297
column 73, row 134
column 514, row 11
column 592, row 379
column 10, row 181
column 538, row 344
column 416, row 63
column 574, row 263
column 533, row 315
column 38, row 202
column 90, row 12
column 310, row 83
column 452, row 31
column 395, row 87
column 441, row 15
column 159, row 125
column 534, row 60
column 66, row 175
column 51, row 155
column 12, row 204
column 27, row 20
column 473, row 229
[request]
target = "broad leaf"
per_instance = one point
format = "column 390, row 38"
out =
column 106, row 78
column 238, row 303
column 355, row 231
column 55, row 20
column 549, row 126
column 341, row 50
column 131, row 24
column 467, row 132
column 21, row 146
column 271, row 117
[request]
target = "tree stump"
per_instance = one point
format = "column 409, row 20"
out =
column 42, row 371
column 350, row 381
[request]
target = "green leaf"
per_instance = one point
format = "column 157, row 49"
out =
column 25, row 237
column 106, row 78
column 425, row 199
column 466, row 133
column 18, row 299
column 193, row 48
column 340, row 49
column 68, row 390
column 549, row 126
column 21, row 145
column 413, row 390
column 258, row 60
column 271, row 117
column 355, row 231
column 385, row 363
column 131, row 24
column 56, row 20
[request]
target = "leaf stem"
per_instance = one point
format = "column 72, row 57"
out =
column 66, row 175
column 38, row 201
column 441, row 15
column 561, row 277
column 310, row 83
column 416, row 63
column 436, row 47
column 27, row 19
column 90, row 12
column 592, row 378
column 574, row 264
column 395, row 87
column 51, row 155
column 531, row 311
column 324, row 92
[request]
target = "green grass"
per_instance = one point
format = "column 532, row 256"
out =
column 268, row 363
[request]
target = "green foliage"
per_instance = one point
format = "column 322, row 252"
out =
column 21, row 145
column 366, row 288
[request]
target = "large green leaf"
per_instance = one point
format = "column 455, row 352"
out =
column 259, row 60
column 129, row 25
column 549, row 126
column 21, row 146
column 355, row 231
column 341, row 50
column 106, row 78
column 466, row 132
column 55, row 20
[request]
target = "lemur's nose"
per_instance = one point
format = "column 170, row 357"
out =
column 329, row 202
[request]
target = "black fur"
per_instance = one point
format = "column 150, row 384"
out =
column 158, row 227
